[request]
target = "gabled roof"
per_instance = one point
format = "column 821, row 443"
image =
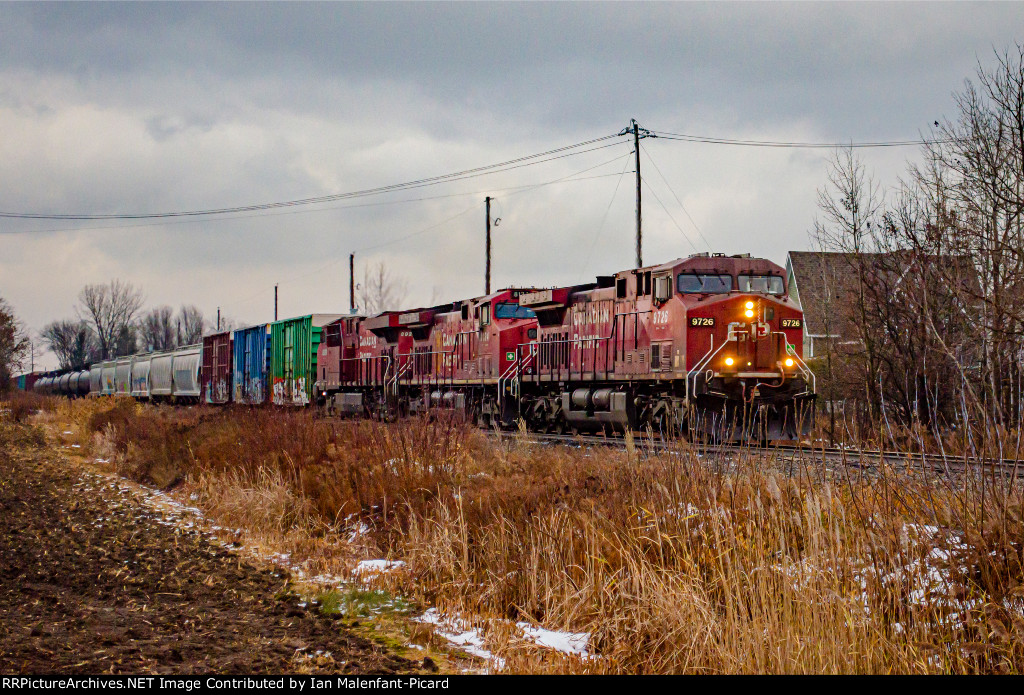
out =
column 823, row 283
column 826, row 283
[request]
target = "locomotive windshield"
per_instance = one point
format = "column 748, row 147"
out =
column 504, row 310
column 770, row 284
column 704, row 284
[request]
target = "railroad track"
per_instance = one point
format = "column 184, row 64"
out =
column 865, row 459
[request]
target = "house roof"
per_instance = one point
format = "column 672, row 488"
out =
column 826, row 283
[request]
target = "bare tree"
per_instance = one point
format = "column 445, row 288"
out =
column 126, row 342
column 229, row 323
column 191, row 325
column 71, row 341
column 973, row 182
column 923, row 327
column 15, row 345
column 851, row 203
column 380, row 291
column 156, row 330
column 110, row 309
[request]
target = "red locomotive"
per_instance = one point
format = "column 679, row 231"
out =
column 708, row 345
column 452, row 356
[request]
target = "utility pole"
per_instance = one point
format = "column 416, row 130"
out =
column 639, row 224
column 487, row 272
column 275, row 302
column 351, row 283
column 218, row 319
column 638, row 135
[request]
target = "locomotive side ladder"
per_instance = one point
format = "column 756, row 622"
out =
column 510, row 381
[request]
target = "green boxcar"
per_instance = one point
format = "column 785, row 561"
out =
column 293, row 345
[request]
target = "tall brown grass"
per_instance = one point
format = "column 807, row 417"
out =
column 673, row 562
column 17, row 405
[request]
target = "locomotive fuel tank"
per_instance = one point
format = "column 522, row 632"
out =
column 586, row 408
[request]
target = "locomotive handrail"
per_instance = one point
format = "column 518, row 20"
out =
column 701, row 363
column 710, row 355
column 395, row 369
column 516, row 378
column 807, row 372
column 518, row 364
column 570, row 341
column 392, row 383
column 501, row 386
column 455, row 348
column 367, row 358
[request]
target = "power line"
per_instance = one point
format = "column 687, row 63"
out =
column 565, row 179
column 600, row 228
column 681, row 206
column 508, row 165
column 519, row 162
column 525, row 188
column 685, row 235
column 708, row 140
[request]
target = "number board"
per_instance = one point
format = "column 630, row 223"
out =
column 702, row 321
column 792, row 323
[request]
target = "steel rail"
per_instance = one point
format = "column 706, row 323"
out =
column 850, row 457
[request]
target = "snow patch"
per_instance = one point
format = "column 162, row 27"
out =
column 459, row 633
column 577, row 643
column 377, row 566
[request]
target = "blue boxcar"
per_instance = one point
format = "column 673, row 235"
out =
column 251, row 361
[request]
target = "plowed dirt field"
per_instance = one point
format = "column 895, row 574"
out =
column 92, row 582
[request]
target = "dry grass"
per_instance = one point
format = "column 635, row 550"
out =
column 18, row 406
column 671, row 564
column 973, row 435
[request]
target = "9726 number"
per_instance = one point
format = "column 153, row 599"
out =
column 792, row 323
column 702, row 321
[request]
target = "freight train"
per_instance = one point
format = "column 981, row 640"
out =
column 709, row 345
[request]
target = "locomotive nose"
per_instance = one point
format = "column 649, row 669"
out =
column 754, row 346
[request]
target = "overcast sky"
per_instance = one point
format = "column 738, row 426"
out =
column 150, row 108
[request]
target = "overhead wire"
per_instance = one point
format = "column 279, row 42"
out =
column 663, row 207
column 604, row 219
column 564, row 179
column 509, row 165
column 709, row 140
column 165, row 223
column 680, row 202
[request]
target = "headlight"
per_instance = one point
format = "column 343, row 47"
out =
column 750, row 305
column 789, row 361
column 728, row 361
column 750, row 313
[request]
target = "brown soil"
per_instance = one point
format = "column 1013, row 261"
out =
column 91, row 581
